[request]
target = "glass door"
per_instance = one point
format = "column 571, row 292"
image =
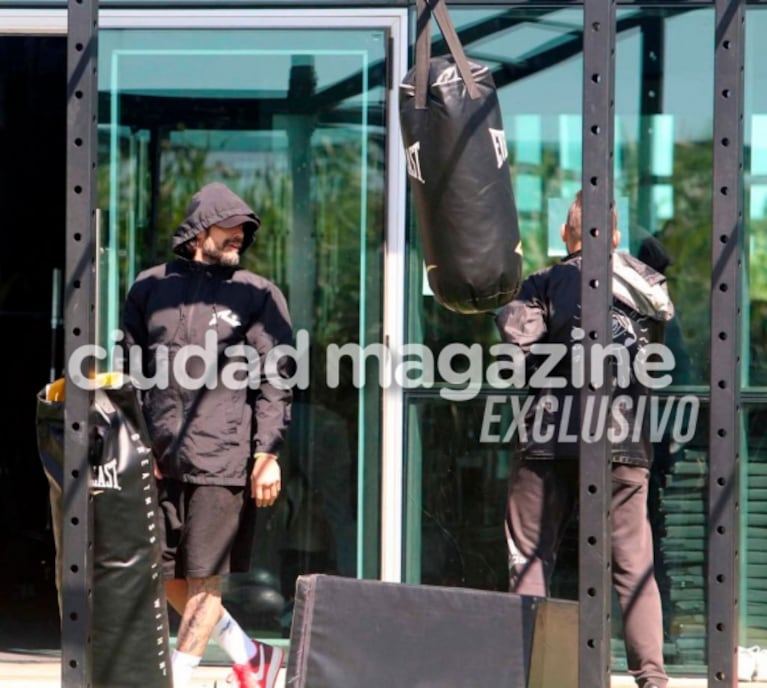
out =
column 293, row 119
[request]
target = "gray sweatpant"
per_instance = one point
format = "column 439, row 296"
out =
column 542, row 496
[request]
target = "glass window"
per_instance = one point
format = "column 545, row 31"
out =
column 459, row 453
column 753, row 493
column 753, row 530
column 755, row 133
column 294, row 122
column 456, row 492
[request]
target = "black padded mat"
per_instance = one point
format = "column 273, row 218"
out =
column 350, row 633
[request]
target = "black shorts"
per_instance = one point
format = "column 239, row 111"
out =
column 207, row 530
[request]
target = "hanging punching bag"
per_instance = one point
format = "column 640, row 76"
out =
column 459, row 174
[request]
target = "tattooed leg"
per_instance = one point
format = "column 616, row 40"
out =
column 177, row 592
column 202, row 611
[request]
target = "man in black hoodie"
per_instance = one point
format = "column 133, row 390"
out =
column 543, row 487
column 201, row 337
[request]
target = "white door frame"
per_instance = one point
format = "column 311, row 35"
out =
column 33, row 22
column 394, row 21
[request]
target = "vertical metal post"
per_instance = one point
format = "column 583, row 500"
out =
column 596, row 295
column 78, row 332
column 650, row 104
column 726, row 265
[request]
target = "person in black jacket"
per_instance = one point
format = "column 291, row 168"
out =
column 543, row 487
column 200, row 337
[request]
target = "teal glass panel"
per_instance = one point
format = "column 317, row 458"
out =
column 294, row 122
column 557, row 214
column 663, row 132
column 526, row 137
column 456, row 479
column 455, row 530
column 662, row 129
column 570, row 149
column 755, row 181
column 663, row 201
column 753, row 532
column 758, row 201
column 677, row 512
column 759, row 144
column 753, row 472
column 527, row 192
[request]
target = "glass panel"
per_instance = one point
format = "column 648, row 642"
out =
column 664, row 125
column 755, row 132
column 455, row 492
column 753, row 530
column 663, row 156
column 677, row 510
column 456, row 523
column 292, row 121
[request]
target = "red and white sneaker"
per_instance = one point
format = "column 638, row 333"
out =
column 263, row 668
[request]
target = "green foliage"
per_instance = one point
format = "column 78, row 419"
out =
column 327, row 254
column 687, row 239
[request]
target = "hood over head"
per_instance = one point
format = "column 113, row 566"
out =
column 215, row 204
column 652, row 252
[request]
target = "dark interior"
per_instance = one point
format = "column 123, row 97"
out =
column 32, row 207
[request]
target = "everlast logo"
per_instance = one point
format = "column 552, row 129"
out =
column 105, row 476
column 499, row 146
column 414, row 162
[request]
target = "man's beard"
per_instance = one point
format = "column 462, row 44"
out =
column 223, row 256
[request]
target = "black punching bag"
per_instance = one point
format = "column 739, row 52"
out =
column 130, row 620
column 459, row 175
column 129, row 631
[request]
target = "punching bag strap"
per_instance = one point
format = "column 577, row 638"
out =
column 423, row 49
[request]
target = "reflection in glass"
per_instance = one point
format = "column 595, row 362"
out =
column 292, row 121
column 753, row 531
column 455, row 523
column 755, row 182
column 663, row 152
column 663, row 174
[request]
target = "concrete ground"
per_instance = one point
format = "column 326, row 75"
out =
column 44, row 671
column 47, row 674
column 23, row 669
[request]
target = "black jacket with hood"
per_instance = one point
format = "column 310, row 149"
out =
column 180, row 319
column 547, row 310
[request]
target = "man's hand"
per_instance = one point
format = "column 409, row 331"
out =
column 265, row 479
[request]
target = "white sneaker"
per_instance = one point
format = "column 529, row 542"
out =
column 760, row 670
column 747, row 662
column 263, row 668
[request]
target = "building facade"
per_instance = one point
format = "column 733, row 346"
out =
column 295, row 106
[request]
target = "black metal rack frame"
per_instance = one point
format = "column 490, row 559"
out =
column 598, row 116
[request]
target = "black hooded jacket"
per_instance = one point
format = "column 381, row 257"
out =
column 547, row 310
column 184, row 318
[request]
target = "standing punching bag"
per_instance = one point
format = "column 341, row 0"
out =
column 130, row 619
column 459, row 174
column 129, row 622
